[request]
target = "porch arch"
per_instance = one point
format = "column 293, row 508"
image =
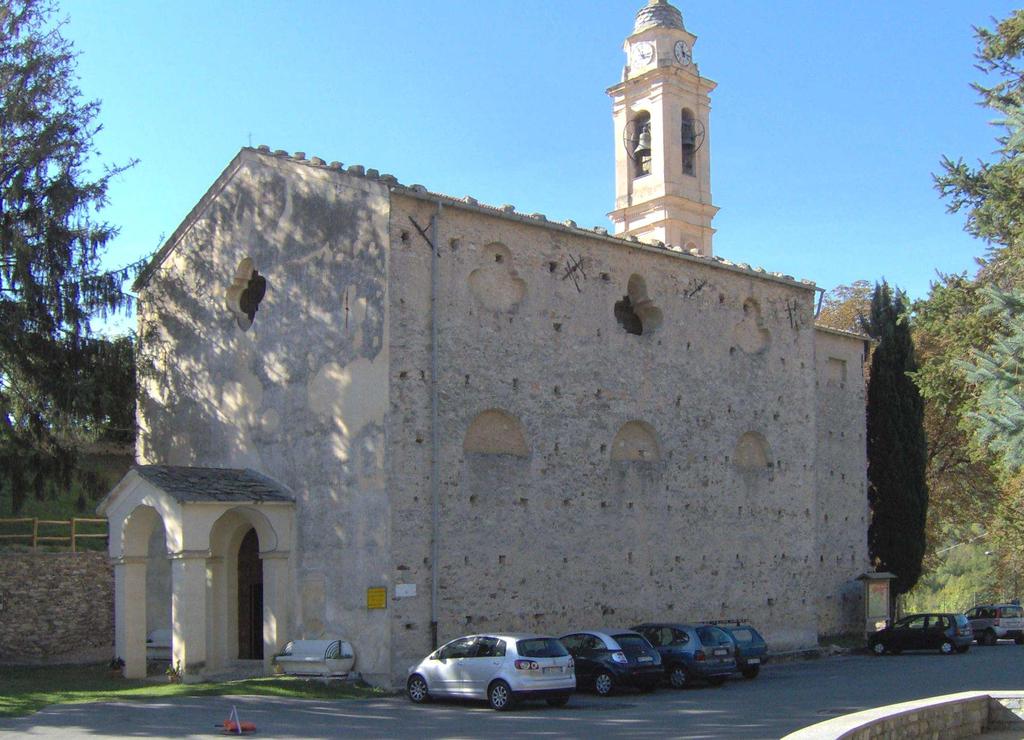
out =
column 205, row 512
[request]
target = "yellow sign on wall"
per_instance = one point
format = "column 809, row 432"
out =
column 377, row 598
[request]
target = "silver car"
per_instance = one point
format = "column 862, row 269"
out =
column 501, row 668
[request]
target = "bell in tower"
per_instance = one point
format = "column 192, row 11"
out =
column 661, row 111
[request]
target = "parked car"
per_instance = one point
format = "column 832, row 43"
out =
column 504, row 669
column 992, row 622
column 946, row 633
column 607, row 660
column 692, row 652
column 751, row 649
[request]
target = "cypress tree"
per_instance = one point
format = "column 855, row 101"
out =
column 896, row 445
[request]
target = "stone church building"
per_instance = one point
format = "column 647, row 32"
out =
column 372, row 411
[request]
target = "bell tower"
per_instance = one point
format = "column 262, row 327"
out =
column 662, row 139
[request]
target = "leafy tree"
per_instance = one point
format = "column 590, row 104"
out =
column 60, row 385
column 962, row 375
column 846, row 307
column 963, row 488
column 897, row 491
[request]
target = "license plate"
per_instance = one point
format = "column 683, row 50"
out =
column 753, row 661
column 552, row 669
column 645, row 659
column 721, row 651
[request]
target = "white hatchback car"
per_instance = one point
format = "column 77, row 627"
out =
column 501, row 668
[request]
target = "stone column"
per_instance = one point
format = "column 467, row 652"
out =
column 276, row 616
column 188, row 612
column 130, row 614
column 217, row 608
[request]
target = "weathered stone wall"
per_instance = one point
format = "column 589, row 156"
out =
column 301, row 394
column 841, row 481
column 713, row 516
column 54, row 604
column 603, row 461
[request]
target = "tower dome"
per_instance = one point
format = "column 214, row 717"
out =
column 658, row 14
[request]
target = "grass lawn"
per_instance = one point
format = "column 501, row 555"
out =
column 24, row 690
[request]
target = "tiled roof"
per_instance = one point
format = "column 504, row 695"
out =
column 658, row 13
column 188, row 484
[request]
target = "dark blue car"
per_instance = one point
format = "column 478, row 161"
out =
column 689, row 652
column 751, row 649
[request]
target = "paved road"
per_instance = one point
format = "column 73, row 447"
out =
column 783, row 698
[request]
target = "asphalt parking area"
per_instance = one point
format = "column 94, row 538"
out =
column 783, row 698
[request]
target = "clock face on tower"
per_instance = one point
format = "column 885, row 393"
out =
column 683, row 53
column 643, row 53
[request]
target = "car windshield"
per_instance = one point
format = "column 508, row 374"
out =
column 540, row 647
column 742, row 635
column 628, row 640
column 961, row 620
column 712, row 636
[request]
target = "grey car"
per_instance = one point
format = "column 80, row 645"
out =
column 992, row 622
column 692, row 652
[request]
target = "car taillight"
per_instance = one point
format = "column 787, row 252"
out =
column 619, row 657
column 699, row 655
column 527, row 665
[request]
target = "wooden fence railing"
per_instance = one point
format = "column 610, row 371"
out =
column 60, row 532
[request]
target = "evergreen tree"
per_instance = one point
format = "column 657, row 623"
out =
column 897, row 491
column 968, row 337
column 999, row 376
column 59, row 384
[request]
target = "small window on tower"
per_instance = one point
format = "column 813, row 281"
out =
column 689, row 139
column 637, row 141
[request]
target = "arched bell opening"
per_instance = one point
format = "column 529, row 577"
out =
column 638, row 142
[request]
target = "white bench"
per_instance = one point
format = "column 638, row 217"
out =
column 316, row 658
column 158, row 645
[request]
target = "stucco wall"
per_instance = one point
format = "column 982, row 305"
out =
column 841, row 482
column 54, row 604
column 565, row 536
column 300, row 395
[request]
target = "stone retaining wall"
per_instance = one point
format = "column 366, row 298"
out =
column 967, row 714
column 55, row 604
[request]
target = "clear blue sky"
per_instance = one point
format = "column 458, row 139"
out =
column 827, row 124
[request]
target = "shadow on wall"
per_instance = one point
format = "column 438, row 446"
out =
column 223, row 393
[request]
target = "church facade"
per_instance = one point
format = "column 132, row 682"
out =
column 375, row 412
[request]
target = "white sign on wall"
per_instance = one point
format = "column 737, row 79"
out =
column 405, row 590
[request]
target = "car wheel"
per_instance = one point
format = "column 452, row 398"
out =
column 604, row 684
column 988, row 637
column 947, row 647
column 751, row 671
column 677, row 677
column 417, row 689
column 558, row 701
column 716, row 680
column 963, row 648
column 500, row 697
column 878, row 648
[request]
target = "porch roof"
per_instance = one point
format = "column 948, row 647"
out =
column 190, row 484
